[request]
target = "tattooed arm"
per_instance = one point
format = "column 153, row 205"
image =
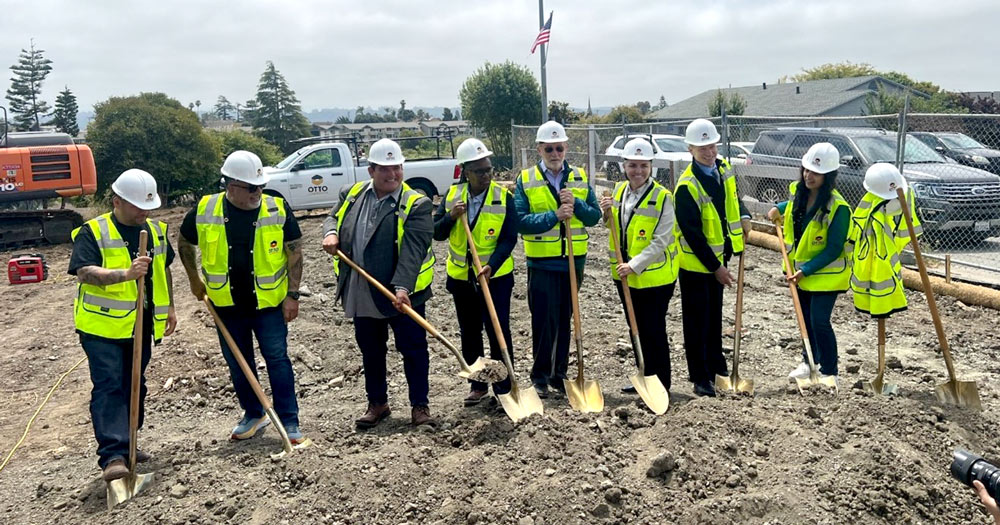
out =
column 99, row 276
column 171, row 313
column 290, row 307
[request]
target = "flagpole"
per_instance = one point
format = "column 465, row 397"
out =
column 545, row 103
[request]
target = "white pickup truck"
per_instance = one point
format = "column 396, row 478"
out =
column 313, row 176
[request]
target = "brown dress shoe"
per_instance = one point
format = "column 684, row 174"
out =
column 375, row 414
column 142, row 456
column 475, row 397
column 116, row 469
column 421, row 415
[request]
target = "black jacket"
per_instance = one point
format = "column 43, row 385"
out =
column 689, row 217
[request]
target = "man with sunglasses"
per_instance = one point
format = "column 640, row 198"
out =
column 493, row 224
column 251, row 259
column 546, row 195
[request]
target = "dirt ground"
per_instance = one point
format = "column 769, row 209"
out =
column 777, row 457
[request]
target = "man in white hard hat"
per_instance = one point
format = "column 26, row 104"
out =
column 712, row 221
column 251, row 263
column 385, row 227
column 545, row 196
column 105, row 261
column 493, row 223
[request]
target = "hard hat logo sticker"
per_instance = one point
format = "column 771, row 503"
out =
column 388, row 155
column 555, row 134
column 479, row 149
column 816, row 161
column 704, row 135
column 149, row 197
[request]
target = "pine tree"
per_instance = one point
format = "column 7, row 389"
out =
column 223, row 108
column 447, row 114
column 64, row 116
column 25, row 89
column 278, row 116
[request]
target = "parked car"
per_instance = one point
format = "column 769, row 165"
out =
column 736, row 152
column 949, row 196
column 665, row 147
column 312, row 176
column 961, row 148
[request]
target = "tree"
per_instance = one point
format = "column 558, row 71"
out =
column 458, row 115
column 405, row 115
column 643, row 106
column 237, row 139
column 64, row 116
column 937, row 101
column 733, row 102
column 223, row 108
column 979, row 104
column 663, row 103
column 25, row 91
column 630, row 114
column 197, row 104
column 249, row 111
column 497, row 94
column 422, row 115
column 343, row 119
column 561, row 112
column 447, row 115
column 156, row 133
column 844, row 69
column 278, row 117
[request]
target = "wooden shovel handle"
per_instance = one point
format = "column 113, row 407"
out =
column 791, row 287
column 613, row 232
column 238, row 354
column 484, row 284
column 137, row 340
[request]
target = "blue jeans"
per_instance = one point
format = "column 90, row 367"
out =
column 411, row 341
column 272, row 332
column 110, row 364
column 817, row 307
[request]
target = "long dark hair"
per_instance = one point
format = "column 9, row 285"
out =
column 822, row 198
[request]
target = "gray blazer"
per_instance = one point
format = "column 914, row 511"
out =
column 381, row 260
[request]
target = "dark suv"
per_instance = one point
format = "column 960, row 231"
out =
column 950, row 196
column 962, row 149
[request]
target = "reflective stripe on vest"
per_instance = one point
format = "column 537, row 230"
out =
column 711, row 223
column 662, row 270
column 109, row 311
column 834, row 277
column 540, row 199
column 485, row 231
column 270, row 263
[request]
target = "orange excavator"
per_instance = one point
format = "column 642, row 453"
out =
column 36, row 166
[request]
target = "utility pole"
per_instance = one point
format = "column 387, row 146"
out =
column 545, row 101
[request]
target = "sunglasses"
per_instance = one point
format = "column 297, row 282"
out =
column 548, row 149
column 250, row 188
column 482, row 172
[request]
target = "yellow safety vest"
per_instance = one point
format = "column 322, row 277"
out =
column 639, row 234
column 901, row 231
column 553, row 242
column 485, row 232
column 109, row 311
column 408, row 199
column 876, row 277
column 270, row 264
column 834, row 277
column 711, row 223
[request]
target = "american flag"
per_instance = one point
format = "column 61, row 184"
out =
column 543, row 35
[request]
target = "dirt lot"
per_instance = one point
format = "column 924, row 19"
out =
column 775, row 458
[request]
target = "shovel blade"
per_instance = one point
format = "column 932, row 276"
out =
column 652, row 392
column 121, row 490
column 521, row 404
column 815, row 381
column 298, row 446
column 878, row 386
column 484, row 370
column 961, row 393
column 734, row 384
column 584, row 395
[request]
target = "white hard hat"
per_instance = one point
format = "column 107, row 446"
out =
column 638, row 149
column 701, row 132
column 385, row 152
column 245, row 166
column 551, row 132
column 471, row 150
column 138, row 188
column 821, row 158
column 882, row 179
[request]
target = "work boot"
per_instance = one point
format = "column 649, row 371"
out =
column 376, row 412
column 248, row 427
column 294, row 434
column 142, row 456
column 474, row 397
column 542, row 390
column 628, row 389
column 115, row 469
column 706, row 389
column 421, row 415
column 558, row 388
column 801, row 372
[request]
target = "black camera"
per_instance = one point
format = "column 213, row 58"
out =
column 967, row 467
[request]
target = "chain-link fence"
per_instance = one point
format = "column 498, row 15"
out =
column 952, row 162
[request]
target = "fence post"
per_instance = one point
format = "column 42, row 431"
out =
column 591, row 151
column 725, row 131
column 901, row 133
column 513, row 146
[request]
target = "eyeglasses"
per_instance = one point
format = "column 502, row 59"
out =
column 548, row 149
column 249, row 188
column 482, row 172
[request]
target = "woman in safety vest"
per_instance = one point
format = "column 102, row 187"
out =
column 817, row 221
column 645, row 227
column 493, row 223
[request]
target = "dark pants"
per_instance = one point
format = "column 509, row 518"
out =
column 650, row 307
column 473, row 316
column 411, row 341
column 701, row 307
column 111, row 373
column 551, row 313
column 817, row 307
column 272, row 332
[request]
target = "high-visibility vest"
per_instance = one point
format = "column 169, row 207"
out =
column 109, row 311
column 553, row 242
column 711, row 224
column 876, row 276
column 834, row 277
column 485, row 231
column 270, row 264
column 639, row 234
column 408, row 199
column 901, row 231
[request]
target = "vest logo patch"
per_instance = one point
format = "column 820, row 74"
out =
column 818, row 239
column 642, row 235
column 491, row 234
column 273, row 248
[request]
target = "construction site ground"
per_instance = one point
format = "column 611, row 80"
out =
column 776, row 457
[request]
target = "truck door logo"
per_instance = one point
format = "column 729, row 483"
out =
column 317, row 186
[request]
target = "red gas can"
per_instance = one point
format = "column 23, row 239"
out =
column 27, row 268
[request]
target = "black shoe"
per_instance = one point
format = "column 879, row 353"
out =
column 558, row 388
column 542, row 390
column 629, row 389
column 706, row 389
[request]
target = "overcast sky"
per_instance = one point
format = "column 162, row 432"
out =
column 374, row 53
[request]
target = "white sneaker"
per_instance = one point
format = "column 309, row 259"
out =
column 801, row 372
